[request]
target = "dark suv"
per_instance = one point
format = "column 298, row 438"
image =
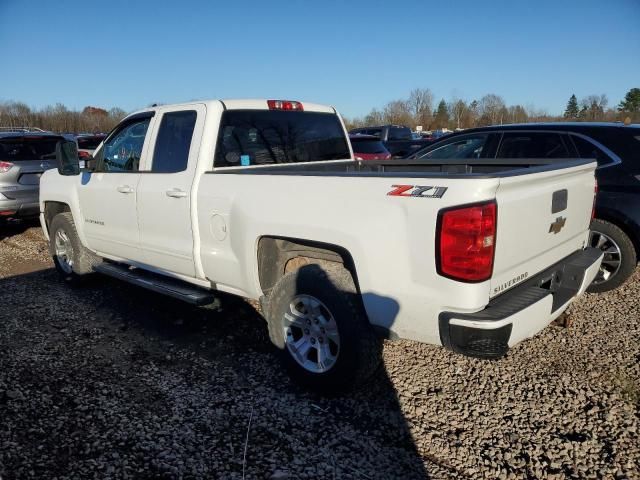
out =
column 616, row 147
column 24, row 156
column 397, row 139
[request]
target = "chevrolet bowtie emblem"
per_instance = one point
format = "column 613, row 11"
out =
column 556, row 226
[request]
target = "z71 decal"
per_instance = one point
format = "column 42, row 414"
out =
column 417, row 191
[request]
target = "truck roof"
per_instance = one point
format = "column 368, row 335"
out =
column 238, row 104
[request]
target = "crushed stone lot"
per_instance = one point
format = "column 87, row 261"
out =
column 111, row 381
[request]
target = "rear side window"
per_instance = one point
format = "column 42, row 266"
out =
column 367, row 145
column 532, row 145
column 262, row 137
column 171, row 153
column 468, row 146
column 586, row 149
column 377, row 132
column 17, row 149
column 399, row 133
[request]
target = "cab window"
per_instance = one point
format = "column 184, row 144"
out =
column 121, row 152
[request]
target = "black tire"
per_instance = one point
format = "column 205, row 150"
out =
column 82, row 260
column 360, row 349
column 628, row 258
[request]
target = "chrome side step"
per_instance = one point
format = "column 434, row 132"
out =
column 157, row 283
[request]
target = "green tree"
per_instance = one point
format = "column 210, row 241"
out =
column 631, row 102
column 441, row 115
column 572, row 110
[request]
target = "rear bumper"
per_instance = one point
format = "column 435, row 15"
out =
column 521, row 312
column 22, row 207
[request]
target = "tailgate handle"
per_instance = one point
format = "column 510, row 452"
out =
column 559, row 200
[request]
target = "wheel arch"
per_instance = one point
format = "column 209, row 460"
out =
column 279, row 255
column 628, row 226
column 53, row 208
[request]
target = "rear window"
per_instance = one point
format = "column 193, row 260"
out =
column 367, row 145
column 262, row 137
column 90, row 143
column 18, row 149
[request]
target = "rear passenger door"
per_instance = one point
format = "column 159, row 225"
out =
column 164, row 191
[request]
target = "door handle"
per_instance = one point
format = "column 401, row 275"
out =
column 176, row 193
column 125, row 189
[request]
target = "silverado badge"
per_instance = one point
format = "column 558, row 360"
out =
column 556, row 226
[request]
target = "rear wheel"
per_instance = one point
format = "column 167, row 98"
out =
column 71, row 259
column 317, row 320
column 619, row 259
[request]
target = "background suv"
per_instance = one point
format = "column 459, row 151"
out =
column 24, row 156
column 368, row 147
column 397, row 139
column 615, row 146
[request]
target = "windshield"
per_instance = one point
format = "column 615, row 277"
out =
column 259, row 137
column 465, row 147
column 17, row 149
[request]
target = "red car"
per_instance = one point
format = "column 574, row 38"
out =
column 368, row 147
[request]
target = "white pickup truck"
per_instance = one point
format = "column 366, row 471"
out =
column 263, row 199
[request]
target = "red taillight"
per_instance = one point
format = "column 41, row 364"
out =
column 595, row 194
column 83, row 155
column 5, row 166
column 284, row 105
column 466, row 242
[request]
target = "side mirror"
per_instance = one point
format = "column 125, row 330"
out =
column 67, row 158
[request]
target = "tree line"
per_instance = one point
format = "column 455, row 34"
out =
column 418, row 109
column 491, row 109
column 58, row 118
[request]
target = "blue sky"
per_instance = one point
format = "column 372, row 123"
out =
column 354, row 55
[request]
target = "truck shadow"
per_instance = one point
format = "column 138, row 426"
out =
column 11, row 228
column 164, row 359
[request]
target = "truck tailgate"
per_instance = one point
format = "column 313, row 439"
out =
column 542, row 218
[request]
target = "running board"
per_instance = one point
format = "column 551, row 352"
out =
column 157, row 283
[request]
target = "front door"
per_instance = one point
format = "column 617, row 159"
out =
column 164, row 191
column 108, row 195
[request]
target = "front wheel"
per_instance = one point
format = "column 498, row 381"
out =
column 71, row 259
column 619, row 259
column 317, row 320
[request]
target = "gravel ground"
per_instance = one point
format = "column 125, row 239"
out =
column 110, row 381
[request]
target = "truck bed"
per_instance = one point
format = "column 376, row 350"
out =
column 410, row 168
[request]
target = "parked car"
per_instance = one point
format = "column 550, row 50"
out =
column 368, row 147
column 87, row 143
column 615, row 146
column 24, row 156
column 335, row 250
column 397, row 139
